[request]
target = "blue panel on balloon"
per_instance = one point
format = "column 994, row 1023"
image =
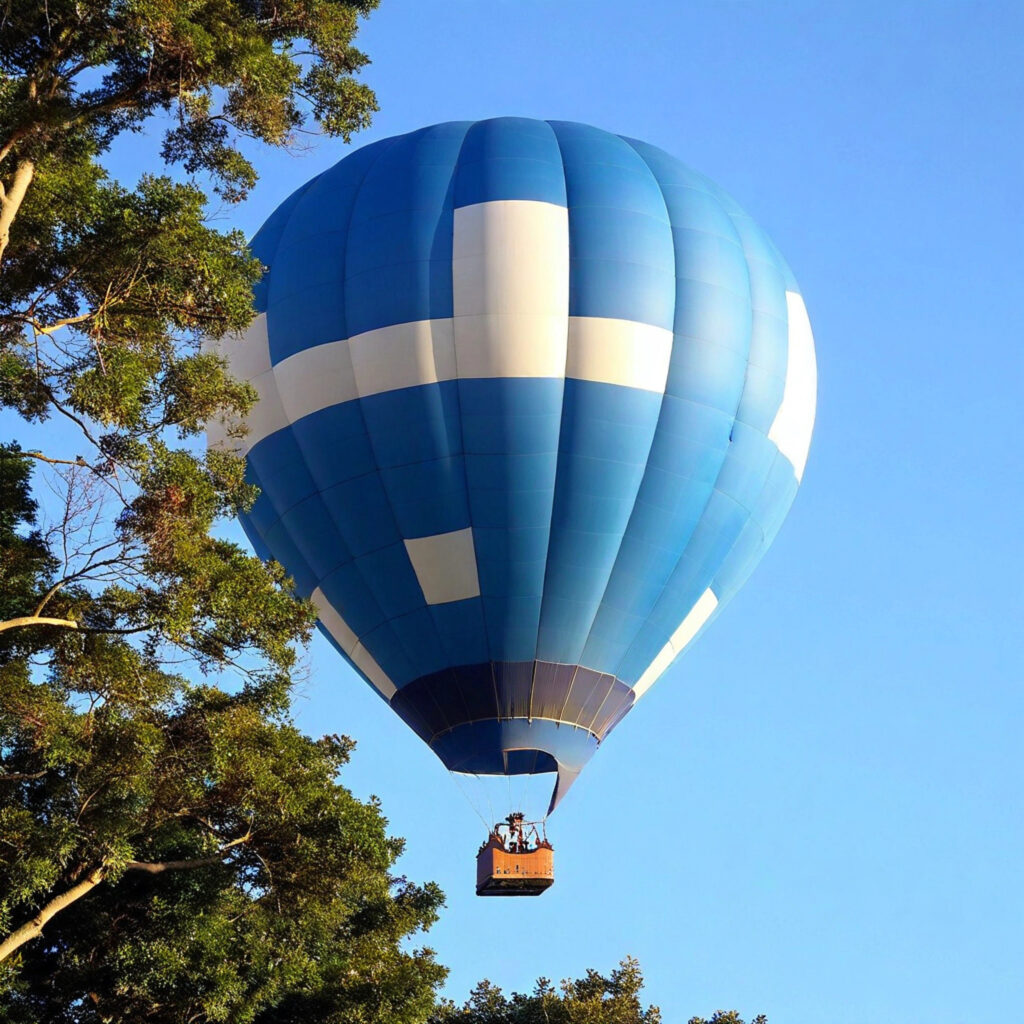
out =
column 460, row 624
column 418, row 634
column 284, row 477
column 479, row 747
column 613, row 195
column 511, row 417
column 428, row 497
column 512, row 621
column 264, row 244
column 390, row 652
column 399, row 251
column 510, row 158
column 414, row 424
column 350, row 594
column 334, row 444
column 315, row 534
column 362, row 513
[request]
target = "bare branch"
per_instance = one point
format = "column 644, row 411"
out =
column 37, row 620
column 159, row 867
column 71, row 577
column 57, row 462
column 48, row 329
column 42, row 620
column 22, row 776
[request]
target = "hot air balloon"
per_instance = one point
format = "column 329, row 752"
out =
column 534, row 401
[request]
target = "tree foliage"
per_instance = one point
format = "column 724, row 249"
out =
column 172, row 848
column 216, row 870
column 106, row 292
column 78, row 74
column 727, row 1017
column 592, row 999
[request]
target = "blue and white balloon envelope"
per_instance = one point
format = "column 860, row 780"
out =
column 534, row 401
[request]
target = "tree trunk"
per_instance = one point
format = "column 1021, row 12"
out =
column 12, row 199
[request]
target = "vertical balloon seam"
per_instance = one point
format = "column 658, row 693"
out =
column 561, row 421
column 432, row 615
column 298, row 196
column 594, row 717
column 685, row 548
column 441, row 394
column 657, row 423
column 456, row 171
column 565, row 371
column 397, row 141
column 302, row 446
column 289, row 205
column 735, row 213
column 561, row 418
column 555, row 795
column 767, row 529
column 289, row 426
column 668, row 576
column 358, row 402
column 558, row 495
column 455, row 391
column 769, row 520
column 561, row 767
column 590, row 723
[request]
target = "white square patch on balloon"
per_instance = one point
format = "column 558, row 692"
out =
column 445, row 565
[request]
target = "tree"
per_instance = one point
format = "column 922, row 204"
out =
column 727, row 1017
column 172, row 848
column 185, row 851
column 592, row 999
column 75, row 75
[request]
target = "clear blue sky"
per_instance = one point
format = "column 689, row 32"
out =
column 817, row 812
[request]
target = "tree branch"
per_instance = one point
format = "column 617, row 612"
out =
column 34, row 928
column 88, row 568
column 8, row 146
column 158, row 867
column 22, row 776
column 37, row 620
column 68, row 321
column 42, row 620
column 56, row 462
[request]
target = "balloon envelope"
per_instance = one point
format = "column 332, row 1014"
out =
column 534, row 400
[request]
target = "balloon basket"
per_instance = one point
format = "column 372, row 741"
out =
column 516, row 860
